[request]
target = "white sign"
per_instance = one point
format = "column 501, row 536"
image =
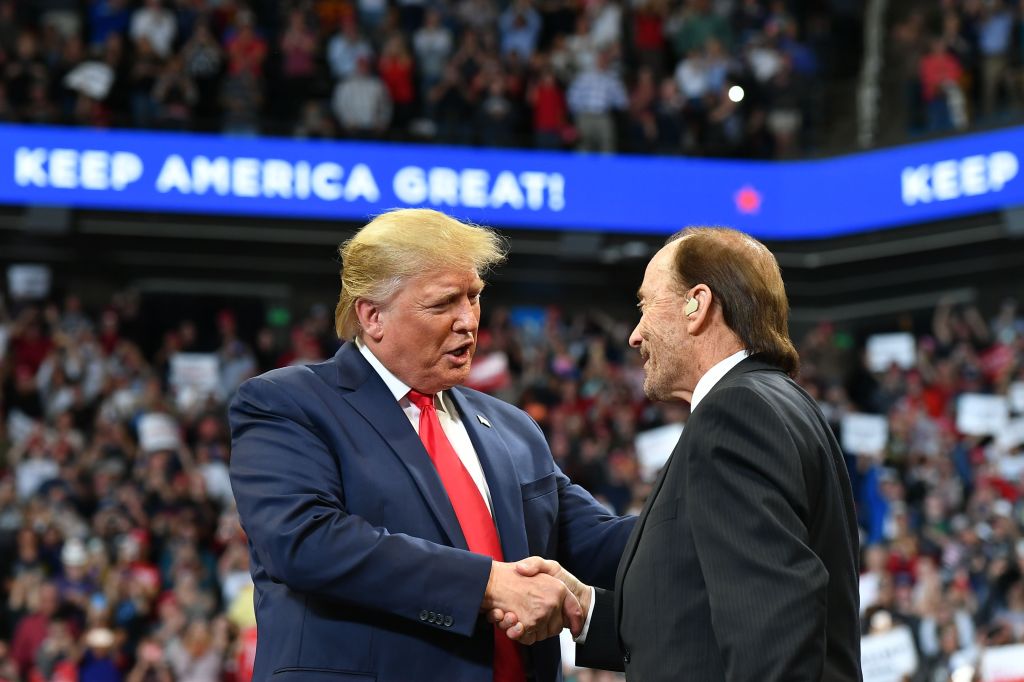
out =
column 1016, row 396
column 1003, row 664
column 886, row 349
column 654, row 447
column 978, row 414
column 28, row 281
column 889, row 656
column 1011, row 468
column 1012, row 435
column 196, row 371
column 865, row 434
column 158, row 432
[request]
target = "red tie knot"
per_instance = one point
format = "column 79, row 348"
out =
column 421, row 400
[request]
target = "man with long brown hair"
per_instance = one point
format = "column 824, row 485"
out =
column 743, row 565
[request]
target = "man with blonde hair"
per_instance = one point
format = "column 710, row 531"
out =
column 385, row 504
column 743, row 564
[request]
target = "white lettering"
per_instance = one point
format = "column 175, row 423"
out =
column 302, row 188
column 944, row 184
column 952, row 178
column 95, row 171
column 125, row 168
column 972, row 176
column 915, row 186
column 63, row 167
column 506, row 191
column 277, row 178
column 409, row 185
column 444, row 186
column 174, row 175
column 474, row 187
column 534, row 183
column 1002, row 167
column 207, row 173
column 326, row 181
column 245, row 177
column 28, row 167
column 556, row 192
column 361, row 184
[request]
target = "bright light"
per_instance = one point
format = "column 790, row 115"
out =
column 736, row 93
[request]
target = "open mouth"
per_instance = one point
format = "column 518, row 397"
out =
column 460, row 351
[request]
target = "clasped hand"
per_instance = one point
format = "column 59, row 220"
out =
column 534, row 599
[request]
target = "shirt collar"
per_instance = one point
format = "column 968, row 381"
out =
column 714, row 375
column 399, row 389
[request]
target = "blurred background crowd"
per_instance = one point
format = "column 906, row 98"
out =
column 751, row 78
column 122, row 557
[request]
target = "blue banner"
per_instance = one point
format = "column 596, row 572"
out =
column 207, row 174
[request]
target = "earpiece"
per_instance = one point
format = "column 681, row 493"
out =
column 691, row 306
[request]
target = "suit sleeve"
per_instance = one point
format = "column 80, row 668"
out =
column 590, row 539
column 601, row 649
column 746, row 501
column 288, row 488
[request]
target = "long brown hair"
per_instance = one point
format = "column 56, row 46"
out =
column 744, row 278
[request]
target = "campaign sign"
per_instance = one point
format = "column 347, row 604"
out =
column 28, row 281
column 1016, row 396
column 864, row 434
column 653, row 448
column 158, row 431
column 978, row 414
column 885, row 350
column 1011, row 435
column 1003, row 664
column 353, row 180
column 887, row 657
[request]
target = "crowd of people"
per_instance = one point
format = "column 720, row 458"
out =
column 652, row 76
column 954, row 64
column 122, row 557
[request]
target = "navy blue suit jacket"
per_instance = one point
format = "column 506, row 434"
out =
column 361, row 569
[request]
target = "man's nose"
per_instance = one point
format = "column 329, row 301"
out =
column 635, row 339
column 465, row 319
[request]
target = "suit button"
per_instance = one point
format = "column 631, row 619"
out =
column 448, row 621
column 433, row 617
column 423, row 615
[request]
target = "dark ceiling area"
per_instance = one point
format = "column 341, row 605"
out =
column 856, row 279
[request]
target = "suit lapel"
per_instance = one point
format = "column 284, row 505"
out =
column 502, row 479
column 634, row 538
column 754, row 363
column 364, row 390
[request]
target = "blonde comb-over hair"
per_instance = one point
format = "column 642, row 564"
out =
column 399, row 244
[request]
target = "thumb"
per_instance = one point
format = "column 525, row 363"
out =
column 572, row 613
column 533, row 565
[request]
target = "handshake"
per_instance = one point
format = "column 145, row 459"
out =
column 533, row 599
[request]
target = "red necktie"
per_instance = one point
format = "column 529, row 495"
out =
column 474, row 518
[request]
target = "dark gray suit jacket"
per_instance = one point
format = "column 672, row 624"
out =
column 743, row 565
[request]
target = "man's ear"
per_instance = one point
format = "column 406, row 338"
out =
column 698, row 309
column 369, row 315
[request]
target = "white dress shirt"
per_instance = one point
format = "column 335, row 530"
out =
column 714, row 375
column 453, row 427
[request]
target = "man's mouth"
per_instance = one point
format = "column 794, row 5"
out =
column 460, row 351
